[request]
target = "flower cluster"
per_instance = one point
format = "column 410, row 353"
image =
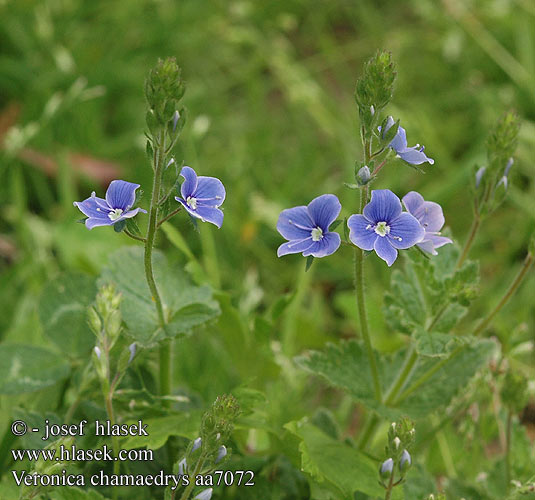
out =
column 382, row 227
column 200, row 196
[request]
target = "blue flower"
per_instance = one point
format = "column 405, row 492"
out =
column 201, row 196
column 414, row 155
column 307, row 228
column 383, row 227
column 120, row 197
column 430, row 217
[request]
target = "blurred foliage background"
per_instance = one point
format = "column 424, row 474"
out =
column 271, row 113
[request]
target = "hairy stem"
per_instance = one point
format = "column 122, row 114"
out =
column 167, row 217
column 508, row 450
column 359, row 291
column 388, row 493
column 165, row 348
column 528, row 261
column 133, row 236
column 191, row 485
column 473, row 231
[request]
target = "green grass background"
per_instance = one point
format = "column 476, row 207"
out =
column 271, row 113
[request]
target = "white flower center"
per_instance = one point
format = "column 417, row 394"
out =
column 317, row 234
column 192, row 202
column 115, row 214
column 382, row 229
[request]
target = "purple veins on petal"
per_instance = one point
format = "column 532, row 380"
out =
column 201, row 196
column 383, row 227
column 430, row 216
column 307, row 228
column 120, row 197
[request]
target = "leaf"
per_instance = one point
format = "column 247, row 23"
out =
column 160, row 429
column 185, row 305
column 119, row 226
column 330, row 461
column 26, row 368
column 434, row 344
column 63, row 313
column 346, row 366
column 309, row 262
column 404, row 307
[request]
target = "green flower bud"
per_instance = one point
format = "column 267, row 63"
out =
column 363, row 176
column 95, row 323
column 376, row 86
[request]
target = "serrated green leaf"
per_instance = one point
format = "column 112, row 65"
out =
column 185, row 305
column 26, row 368
column 434, row 344
column 160, row 429
column 63, row 313
column 334, row 462
column 346, row 366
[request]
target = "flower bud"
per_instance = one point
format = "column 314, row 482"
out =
column 479, row 175
column 405, row 461
column 508, row 166
column 363, row 176
column 132, row 348
column 176, row 116
column 386, row 469
column 182, row 467
column 221, row 454
column 204, row 495
column 196, row 444
column 95, row 323
column 397, row 442
column 97, row 351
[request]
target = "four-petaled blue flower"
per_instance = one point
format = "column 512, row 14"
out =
column 414, row 155
column 120, row 197
column 201, row 196
column 383, row 227
column 430, row 217
column 307, row 228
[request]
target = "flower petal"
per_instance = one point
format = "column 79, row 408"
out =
column 294, row 246
column 190, row 182
column 384, row 206
column 399, row 142
column 413, row 201
column 385, row 250
column 326, row 246
column 206, row 214
column 405, row 231
column 414, row 156
column 358, row 234
column 131, row 213
column 323, row 210
column 121, row 194
column 92, row 222
column 295, row 223
column 210, row 191
column 92, row 207
column 438, row 241
column 428, row 213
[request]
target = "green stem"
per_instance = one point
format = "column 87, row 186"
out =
column 388, row 493
column 191, row 485
column 368, row 431
column 428, row 374
column 508, row 450
column 108, row 397
column 165, row 348
column 528, row 261
column 133, row 236
column 167, row 217
column 359, row 291
column 473, row 231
